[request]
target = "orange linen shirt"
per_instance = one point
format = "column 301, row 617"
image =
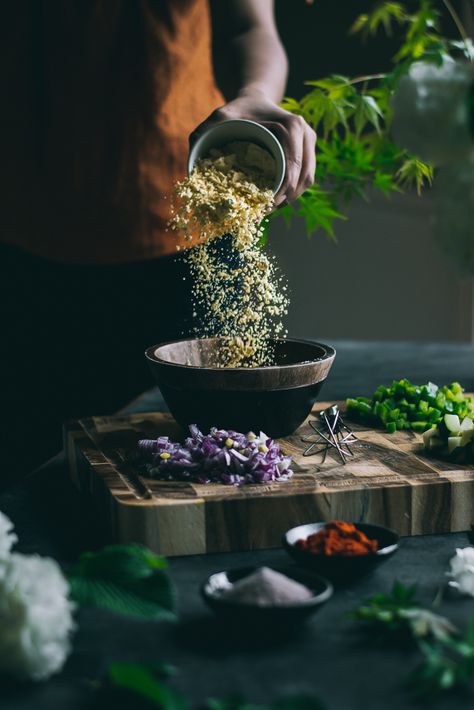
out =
column 99, row 98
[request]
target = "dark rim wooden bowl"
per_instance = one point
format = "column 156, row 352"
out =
column 188, row 362
column 251, row 613
column 275, row 399
column 342, row 568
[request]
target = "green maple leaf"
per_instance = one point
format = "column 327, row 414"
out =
column 414, row 172
column 367, row 112
column 292, row 105
column 385, row 183
column 385, row 15
column 318, row 210
column 355, row 152
column 336, row 85
column 320, row 108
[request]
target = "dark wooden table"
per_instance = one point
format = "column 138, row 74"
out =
column 328, row 658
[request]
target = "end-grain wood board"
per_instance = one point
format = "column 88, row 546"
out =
column 389, row 481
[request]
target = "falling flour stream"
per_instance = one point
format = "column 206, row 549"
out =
column 238, row 292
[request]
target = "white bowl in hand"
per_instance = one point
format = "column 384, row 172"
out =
column 240, row 129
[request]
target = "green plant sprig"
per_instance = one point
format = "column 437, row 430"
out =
column 447, row 655
column 352, row 117
column 446, row 665
column 400, row 613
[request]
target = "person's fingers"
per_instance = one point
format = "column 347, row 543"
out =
column 282, row 201
column 294, row 156
column 220, row 114
column 308, row 167
column 291, row 135
column 280, row 133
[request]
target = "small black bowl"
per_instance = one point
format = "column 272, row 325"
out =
column 341, row 568
column 275, row 399
column 274, row 617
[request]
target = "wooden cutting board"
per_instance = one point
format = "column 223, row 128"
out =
column 390, row 481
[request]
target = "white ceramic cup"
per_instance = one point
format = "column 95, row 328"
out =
column 240, row 129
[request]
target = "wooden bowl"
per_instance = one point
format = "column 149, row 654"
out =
column 341, row 569
column 274, row 399
column 254, row 616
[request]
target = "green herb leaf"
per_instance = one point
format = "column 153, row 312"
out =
column 292, row 105
column 448, row 657
column 424, row 623
column 446, row 664
column 361, row 23
column 318, row 210
column 147, row 682
column 320, row 108
column 386, row 610
column 287, row 212
column 385, row 15
column 385, row 183
column 264, row 233
column 414, row 172
column 366, row 112
column 126, row 579
column 336, row 85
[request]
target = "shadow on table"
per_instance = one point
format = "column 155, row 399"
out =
column 50, row 515
column 211, row 636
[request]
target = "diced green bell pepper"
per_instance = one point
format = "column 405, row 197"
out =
column 420, row 426
column 434, row 414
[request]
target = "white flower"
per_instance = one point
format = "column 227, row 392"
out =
column 35, row 616
column 431, row 111
column 462, row 570
column 7, row 537
column 465, row 583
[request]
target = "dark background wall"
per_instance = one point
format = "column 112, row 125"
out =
column 318, row 42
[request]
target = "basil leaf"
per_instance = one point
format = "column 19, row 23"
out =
column 126, row 579
column 146, row 681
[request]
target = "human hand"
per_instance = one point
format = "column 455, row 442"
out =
column 296, row 137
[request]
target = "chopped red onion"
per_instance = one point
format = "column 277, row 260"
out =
column 220, row 456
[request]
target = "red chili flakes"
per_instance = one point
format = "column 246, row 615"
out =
column 338, row 538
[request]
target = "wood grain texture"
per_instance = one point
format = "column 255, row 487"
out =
column 390, row 481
